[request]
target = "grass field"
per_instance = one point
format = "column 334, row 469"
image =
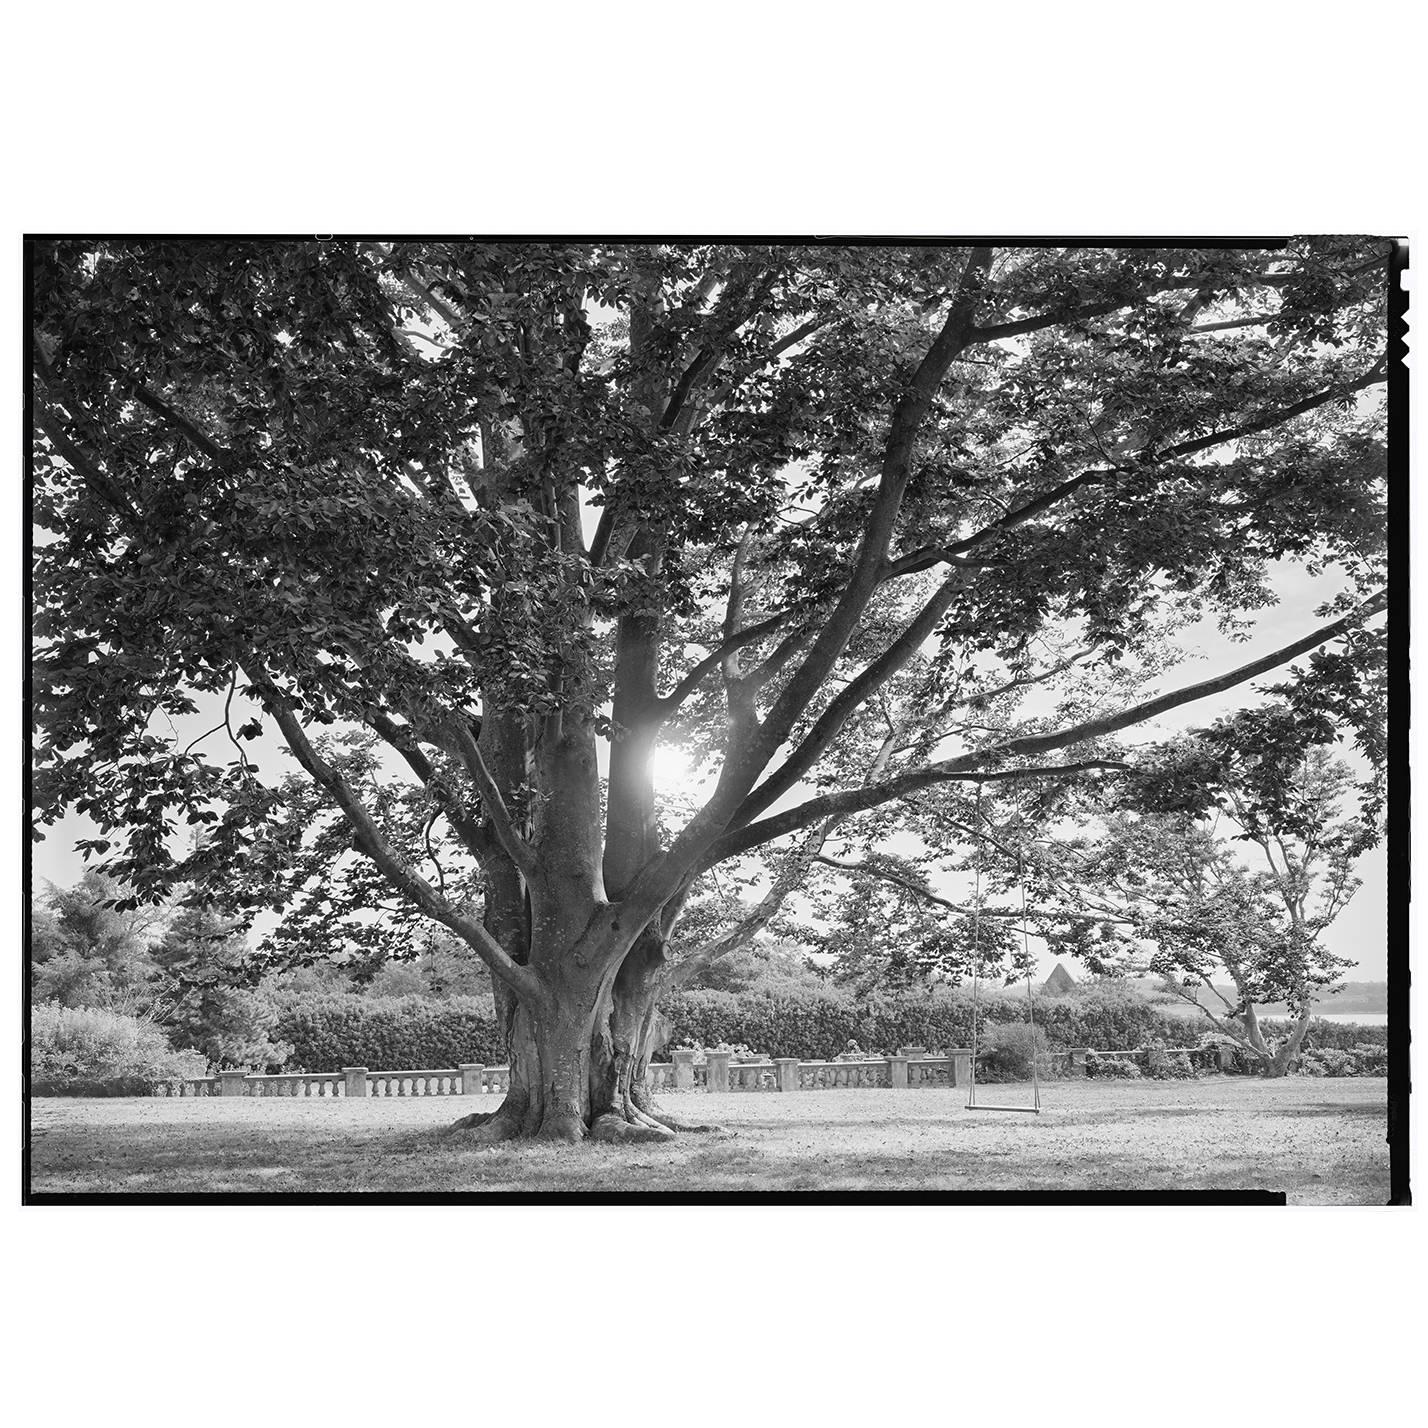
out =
column 1319, row 1141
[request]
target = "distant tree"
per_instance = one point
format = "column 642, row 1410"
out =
column 84, row 952
column 1176, row 895
column 204, row 1007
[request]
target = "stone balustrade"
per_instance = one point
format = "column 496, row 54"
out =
column 301, row 1084
column 911, row 1068
column 413, row 1083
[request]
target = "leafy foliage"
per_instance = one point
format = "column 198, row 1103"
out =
column 85, row 952
column 1011, row 1050
column 91, row 1052
column 388, row 1034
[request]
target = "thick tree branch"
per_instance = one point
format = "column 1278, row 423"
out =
column 522, row 980
column 926, row 556
column 975, row 765
column 517, row 849
column 846, row 703
column 108, row 490
column 713, row 661
column 1150, row 708
column 402, row 738
column 861, row 799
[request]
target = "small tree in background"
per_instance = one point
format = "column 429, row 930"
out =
column 1174, row 893
column 84, row 952
column 201, row 960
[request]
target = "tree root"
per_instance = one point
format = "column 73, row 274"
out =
column 562, row 1127
column 614, row 1127
column 678, row 1123
column 643, row 1107
column 476, row 1118
column 637, row 1124
column 488, row 1127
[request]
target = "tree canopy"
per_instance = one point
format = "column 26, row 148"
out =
column 474, row 526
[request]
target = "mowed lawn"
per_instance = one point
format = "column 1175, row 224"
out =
column 1319, row 1141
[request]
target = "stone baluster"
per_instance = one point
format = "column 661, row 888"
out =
column 683, row 1069
column 718, row 1064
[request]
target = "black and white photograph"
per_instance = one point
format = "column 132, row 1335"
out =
column 740, row 717
column 712, row 714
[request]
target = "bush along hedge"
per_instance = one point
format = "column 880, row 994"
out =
column 83, row 1051
column 1356, row 1061
column 333, row 1030
column 1332, row 1035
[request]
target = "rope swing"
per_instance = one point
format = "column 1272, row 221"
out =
column 1035, row 1107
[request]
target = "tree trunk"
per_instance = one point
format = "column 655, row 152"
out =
column 1275, row 1061
column 579, row 1065
column 1283, row 1058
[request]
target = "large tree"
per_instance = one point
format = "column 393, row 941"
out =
column 518, row 512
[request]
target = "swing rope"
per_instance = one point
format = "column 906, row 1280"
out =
column 976, row 942
column 1035, row 1107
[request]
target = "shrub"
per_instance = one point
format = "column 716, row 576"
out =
column 1327, row 1063
column 1011, row 1051
column 1324, row 1035
column 1173, row 1066
column 231, row 1027
column 78, row 1051
column 333, row 1030
column 1372, row 1060
column 1112, row 1068
column 1356, row 1061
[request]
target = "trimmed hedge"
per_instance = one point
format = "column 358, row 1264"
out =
column 333, row 1030
column 815, row 1025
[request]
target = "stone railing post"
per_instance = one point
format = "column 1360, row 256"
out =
column 354, row 1081
column 1078, row 1060
column 786, row 1069
column 683, row 1062
column 473, row 1078
column 1154, row 1059
column 897, row 1072
column 1225, row 1056
column 959, row 1062
column 231, row 1083
column 913, row 1053
column 718, row 1063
